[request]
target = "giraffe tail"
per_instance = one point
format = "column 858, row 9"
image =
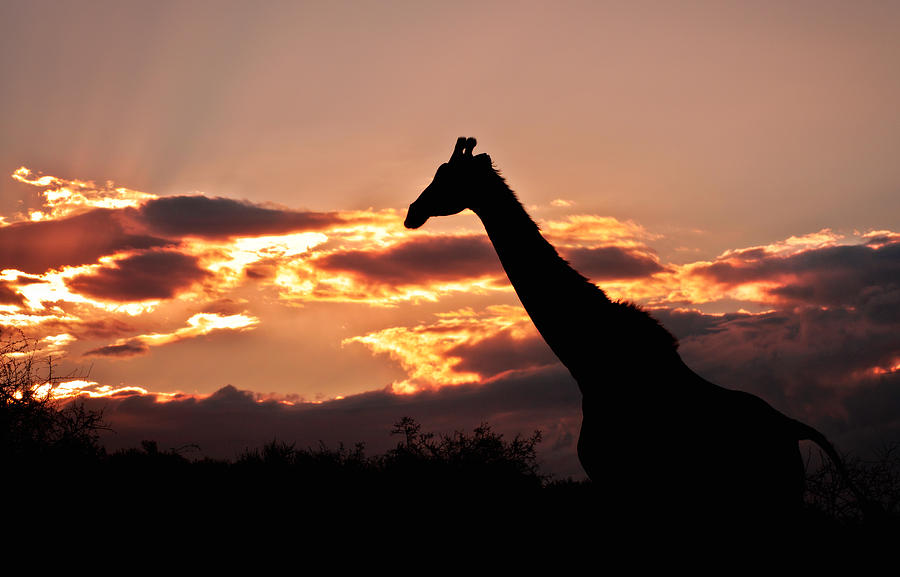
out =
column 804, row 432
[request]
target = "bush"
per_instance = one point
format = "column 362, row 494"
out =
column 877, row 482
column 35, row 428
column 462, row 462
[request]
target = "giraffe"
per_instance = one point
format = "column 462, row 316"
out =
column 653, row 431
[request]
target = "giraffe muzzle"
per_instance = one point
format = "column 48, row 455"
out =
column 414, row 217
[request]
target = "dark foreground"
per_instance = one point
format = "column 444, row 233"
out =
column 466, row 487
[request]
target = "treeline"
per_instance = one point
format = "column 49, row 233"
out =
column 53, row 448
column 481, row 462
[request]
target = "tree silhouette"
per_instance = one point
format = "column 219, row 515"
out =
column 460, row 462
column 877, row 478
column 35, row 428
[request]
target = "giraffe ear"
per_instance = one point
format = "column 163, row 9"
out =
column 470, row 144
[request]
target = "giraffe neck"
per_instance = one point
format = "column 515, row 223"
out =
column 554, row 294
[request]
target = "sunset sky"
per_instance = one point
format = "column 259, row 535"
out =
column 201, row 207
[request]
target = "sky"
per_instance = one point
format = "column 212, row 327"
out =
column 201, row 207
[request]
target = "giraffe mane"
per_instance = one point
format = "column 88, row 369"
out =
column 632, row 312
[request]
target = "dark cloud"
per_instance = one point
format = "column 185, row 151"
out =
column 502, row 352
column 872, row 417
column 36, row 247
column 25, row 280
column 882, row 237
column 225, row 307
column 262, row 269
column 129, row 349
column 684, row 324
column 231, row 420
column 829, row 367
column 9, row 296
column 806, row 362
column 830, row 276
column 419, row 261
column 611, row 262
column 100, row 329
column 181, row 216
column 150, row 275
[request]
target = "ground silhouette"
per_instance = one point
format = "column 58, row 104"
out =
column 655, row 435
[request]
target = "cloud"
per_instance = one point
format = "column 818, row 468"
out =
column 612, row 262
column 824, row 275
column 438, row 354
column 101, row 328
column 62, row 197
column 198, row 325
column 144, row 276
column 36, row 247
column 503, row 352
column 172, row 216
column 9, row 295
column 808, row 362
column 419, row 261
column 127, row 349
column 594, row 230
column 80, row 222
column 216, row 218
column 67, row 390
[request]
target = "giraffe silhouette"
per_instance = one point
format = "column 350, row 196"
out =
column 655, row 436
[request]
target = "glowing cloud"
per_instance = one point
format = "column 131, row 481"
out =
column 426, row 352
column 198, row 325
column 593, row 230
column 233, row 261
column 64, row 197
column 822, row 269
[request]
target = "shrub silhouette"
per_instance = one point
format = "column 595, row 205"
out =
column 462, row 462
column 35, row 429
column 878, row 479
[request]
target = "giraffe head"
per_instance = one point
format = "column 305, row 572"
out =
column 454, row 185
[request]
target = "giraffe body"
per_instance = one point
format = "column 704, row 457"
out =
column 653, row 431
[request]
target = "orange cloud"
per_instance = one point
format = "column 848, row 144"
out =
column 821, row 269
column 431, row 354
column 198, row 325
column 593, row 230
column 152, row 275
column 38, row 247
column 63, row 197
column 92, row 389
